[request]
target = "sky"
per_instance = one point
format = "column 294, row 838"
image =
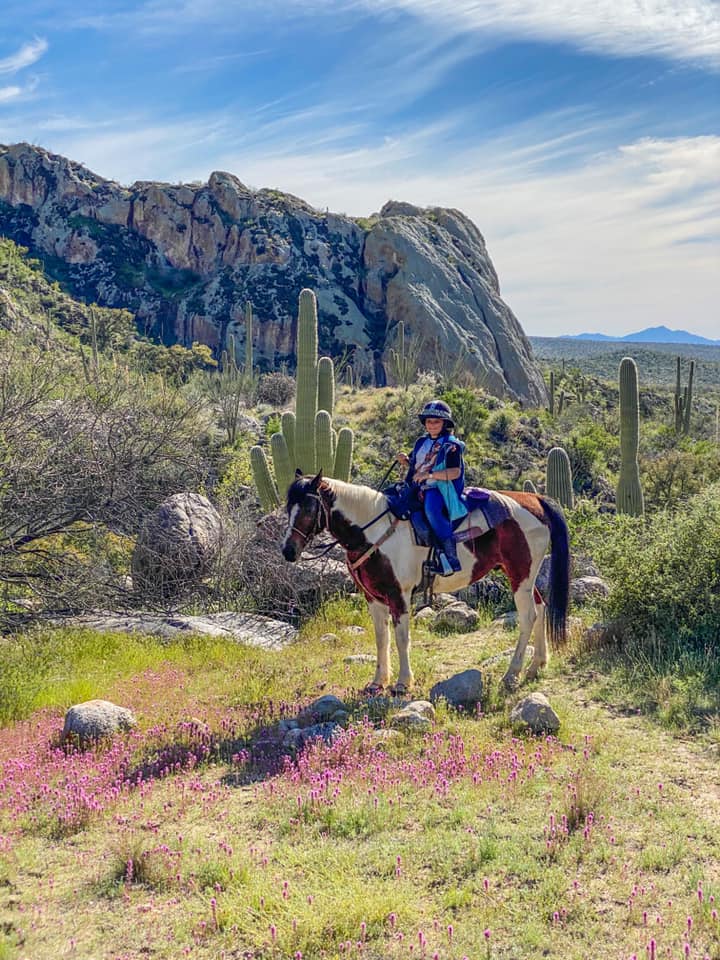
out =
column 583, row 138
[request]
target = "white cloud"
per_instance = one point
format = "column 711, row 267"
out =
column 616, row 241
column 28, row 54
column 678, row 29
column 9, row 93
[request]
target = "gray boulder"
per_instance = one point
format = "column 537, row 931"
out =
column 250, row 628
column 587, row 589
column 463, row 690
column 321, row 710
column 535, row 714
column 93, row 720
column 176, row 545
column 457, row 616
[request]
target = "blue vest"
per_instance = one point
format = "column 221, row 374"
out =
column 451, row 490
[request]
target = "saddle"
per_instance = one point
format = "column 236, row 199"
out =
column 404, row 504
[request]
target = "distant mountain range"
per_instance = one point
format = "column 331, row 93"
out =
column 649, row 335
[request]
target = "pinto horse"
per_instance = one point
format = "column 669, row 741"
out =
column 386, row 563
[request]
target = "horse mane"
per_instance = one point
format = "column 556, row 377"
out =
column 358, row 502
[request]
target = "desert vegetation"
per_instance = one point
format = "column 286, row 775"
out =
column 199, row 832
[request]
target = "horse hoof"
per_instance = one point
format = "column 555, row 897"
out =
column 510, row 682
column 373, row 689
column 400, row 690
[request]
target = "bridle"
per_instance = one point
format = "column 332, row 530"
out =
column 321, row 510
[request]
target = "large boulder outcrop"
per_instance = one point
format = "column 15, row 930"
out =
column 176, row 545
column 186, row 258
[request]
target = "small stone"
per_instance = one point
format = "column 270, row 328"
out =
column 355, row 630
column 508, row 621
column 457, row 616
column 320, row 710
column 359, row 657
column 341, row 718
column 535, row 714
column 410, row 720
column 426, row 615
column 442, row 600
column 423, row 707
column 330, row 638
column 586, row 589
column 462, row 690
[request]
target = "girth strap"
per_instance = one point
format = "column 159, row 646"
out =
column 375, row 546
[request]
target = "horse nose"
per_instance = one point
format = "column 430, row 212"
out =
column 289, row 552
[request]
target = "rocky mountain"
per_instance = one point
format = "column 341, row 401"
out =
column 185, row 259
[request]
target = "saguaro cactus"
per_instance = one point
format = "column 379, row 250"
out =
column 629, row 495
column 529, row 487
column 558, row 483
column 248, row 371
column 306, row 439
column 307, row 382
column 683, row 400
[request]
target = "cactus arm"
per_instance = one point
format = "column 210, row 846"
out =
column 343, row 455
column 287, row 422
column 326, row 385
column 323, row 442
column 264, row 483
column 282, row 464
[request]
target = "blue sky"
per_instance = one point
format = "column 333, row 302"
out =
column 583, row 138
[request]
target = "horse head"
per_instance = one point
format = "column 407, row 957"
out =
column 306, row 514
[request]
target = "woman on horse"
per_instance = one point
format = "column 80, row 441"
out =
column 436, row 475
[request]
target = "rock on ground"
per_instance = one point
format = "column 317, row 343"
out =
column 462, row 690
column 253, row 629
column 95, row 719
column 176, row 545
column 534, row 713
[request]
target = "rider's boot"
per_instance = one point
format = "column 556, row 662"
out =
column 449, row 548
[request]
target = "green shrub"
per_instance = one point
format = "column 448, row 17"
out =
column 501, row 426
column 469, row 411
column 664, row 573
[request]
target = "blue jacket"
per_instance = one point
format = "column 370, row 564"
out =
column 451, row 490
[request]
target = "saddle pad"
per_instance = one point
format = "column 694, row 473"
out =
column 493, row 507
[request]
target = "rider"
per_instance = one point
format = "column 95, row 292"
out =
column 436, row 475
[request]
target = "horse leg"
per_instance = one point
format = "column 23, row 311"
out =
column 541, row 655
column 380, row 616
column 401, row 623
column 525, row 604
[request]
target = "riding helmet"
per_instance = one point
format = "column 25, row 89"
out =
column 438, row 409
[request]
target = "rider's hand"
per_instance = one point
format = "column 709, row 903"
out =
column 403, row 458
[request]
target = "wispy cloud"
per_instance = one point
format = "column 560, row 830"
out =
column 678, row 29
column 9, row 93
column 28, row 54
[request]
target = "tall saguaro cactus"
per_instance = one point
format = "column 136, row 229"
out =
column 306, row 439
column 629, row 495
column 558, row 482
column 307, row 382
column 683, row 400
column 248, row 371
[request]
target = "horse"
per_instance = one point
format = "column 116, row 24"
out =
column 387, row 564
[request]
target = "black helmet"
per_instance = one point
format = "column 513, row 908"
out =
column 438, row 409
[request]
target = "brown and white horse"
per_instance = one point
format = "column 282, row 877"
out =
column 387, row 564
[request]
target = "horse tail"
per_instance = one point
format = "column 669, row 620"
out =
column 559, row 586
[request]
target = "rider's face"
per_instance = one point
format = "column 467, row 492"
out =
column 434, row 426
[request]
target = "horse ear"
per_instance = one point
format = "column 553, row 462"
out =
column 316, row 480
column 298, row 473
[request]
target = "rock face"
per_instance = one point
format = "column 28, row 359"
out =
column 186, row 258
column 176, row 545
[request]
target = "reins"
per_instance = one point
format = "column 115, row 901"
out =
column 368, row 553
